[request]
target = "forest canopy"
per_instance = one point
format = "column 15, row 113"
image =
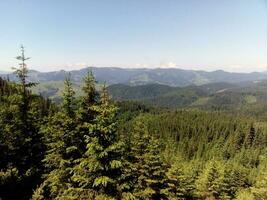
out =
column 92, row 147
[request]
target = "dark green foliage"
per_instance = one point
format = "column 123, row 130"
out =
column 250, row 137
column 6, row 88
column 100, row 169
column 86, row 111
column 157, row 95
column 248, row 99
column 68, row 98
column 147, row 165
column 21, row 145
column 210, row 182
column 181, row 181
column 235, row 177
column 209, row 134
column 62, row 149
column 200, row 137
column 88, row 148
column 259, row 191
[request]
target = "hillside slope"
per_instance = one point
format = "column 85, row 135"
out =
column 166, row 96
column 246, row 97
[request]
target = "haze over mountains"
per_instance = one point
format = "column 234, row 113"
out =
column 142, row 76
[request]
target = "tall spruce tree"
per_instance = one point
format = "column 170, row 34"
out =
column 210, row 181
column 149, row 169
column 68, row 97
column 21, row 167
column 86, row 111
column 259, row 191
column 99, row 171
column 62, row 143
column 181, row 185
column 234, row 179
column 250, row 136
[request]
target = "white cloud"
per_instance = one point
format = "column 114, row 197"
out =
column 168, row 65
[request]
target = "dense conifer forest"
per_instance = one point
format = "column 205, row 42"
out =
column 90, row 147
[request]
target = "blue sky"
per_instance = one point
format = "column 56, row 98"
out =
column 189, row 34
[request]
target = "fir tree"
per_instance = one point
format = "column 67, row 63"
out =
column 209, row 182
column 23, row 146
column 234, row 179
column 100, row 169
column 148, row 167
column 62, row 148
column 21, row 73
column 89, row 99
column 181, row 185
column 250, row 137
column 259, row 191
column 68, row 97
column 87, row 109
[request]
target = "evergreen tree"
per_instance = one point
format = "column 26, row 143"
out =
column 209, row 182
column 62, row 148
column 148, row 167
column 250, row 137
column 234, row 179
column 87, row 109
column 77, row 149
column 21, row 142
column 86, row 112
column 100, row 169
column 68, row 97
column 181, row 185
column 259, row 191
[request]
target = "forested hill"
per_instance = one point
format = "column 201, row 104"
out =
column 126, row 92
column 157, row 95
column 245, row 97
column 171, row 76
column 90, row 147
column 248, row 97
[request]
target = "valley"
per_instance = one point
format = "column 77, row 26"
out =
column 120, row 131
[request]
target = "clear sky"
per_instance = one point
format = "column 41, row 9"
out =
column 189, row 34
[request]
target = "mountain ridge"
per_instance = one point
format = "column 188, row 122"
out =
column 143, row 76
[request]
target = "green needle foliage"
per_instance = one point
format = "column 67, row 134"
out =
column 62, row 141
column 89, row 148
column 86, row 112
column 181, row 183
column 68, row 97
column 21, row 143
column 148, row 167
column 100, row 169
column 209, row 184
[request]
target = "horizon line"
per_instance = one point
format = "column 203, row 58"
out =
column 135, row 68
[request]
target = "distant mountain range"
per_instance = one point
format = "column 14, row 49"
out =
column 170, row 77
column 173, row 88
column 165, row 87
column 4, row 72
